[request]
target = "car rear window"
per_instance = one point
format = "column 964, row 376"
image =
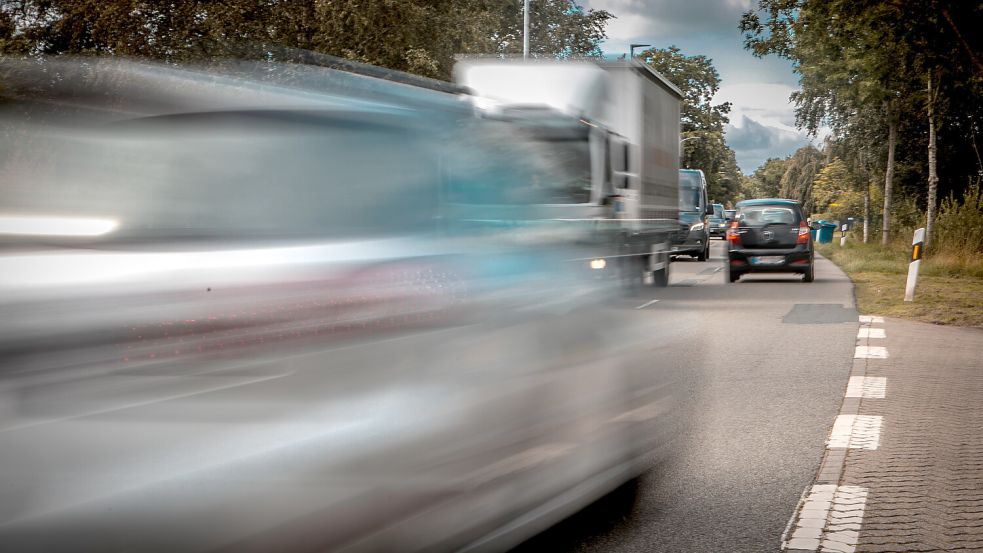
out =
column 768, row 214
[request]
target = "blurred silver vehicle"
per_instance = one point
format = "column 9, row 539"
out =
column 246, row 315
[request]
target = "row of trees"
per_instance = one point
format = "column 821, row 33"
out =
column 897, row 82
column 417, row 36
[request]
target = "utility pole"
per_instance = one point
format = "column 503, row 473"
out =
column 631, row 49
column 525, row 30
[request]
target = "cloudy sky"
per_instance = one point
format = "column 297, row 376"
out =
column 762, row 123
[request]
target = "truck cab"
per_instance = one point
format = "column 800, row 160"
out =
column 693, row 237
column 609, row 132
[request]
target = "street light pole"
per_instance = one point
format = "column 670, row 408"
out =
column 631, row 49
column 525, row 30
column 689, row 138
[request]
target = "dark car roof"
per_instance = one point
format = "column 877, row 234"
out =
column 767, row 201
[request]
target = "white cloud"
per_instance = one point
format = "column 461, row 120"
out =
column 762, row 117
column 754, row 142
column 764, row 102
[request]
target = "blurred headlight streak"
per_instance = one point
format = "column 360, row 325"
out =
column 285, row 308
column 55, row 226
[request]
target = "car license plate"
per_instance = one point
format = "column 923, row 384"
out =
column 768, row 260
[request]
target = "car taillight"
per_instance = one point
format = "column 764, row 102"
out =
column 803, row 237
column 733, row 238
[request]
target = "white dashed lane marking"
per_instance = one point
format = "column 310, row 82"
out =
column 870, row 352
column 856, row 432
column 646, row 304
column 868, row 319
column 867, row 332
column 867, row 387
column 829, row 519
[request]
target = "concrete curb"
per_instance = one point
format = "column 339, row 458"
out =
column 830, row 471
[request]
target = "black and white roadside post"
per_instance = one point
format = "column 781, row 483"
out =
column 917, row 245
column 843, row 235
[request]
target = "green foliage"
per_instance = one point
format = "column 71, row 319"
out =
column 800, row 172
column 698, row 80
column 419, row 36
column 766, row 181
column 834, row 193
column 959, row 227
column 864, row 65
column 790, row 178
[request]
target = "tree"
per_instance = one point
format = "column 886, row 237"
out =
column 800, row 172
column 698, row 80
column 847, row 57
column 419, row 36
column 766, row 181
column 908, row 63
column 557, row 28
column 834, row 192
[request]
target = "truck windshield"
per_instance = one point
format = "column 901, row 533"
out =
column 690, row 192
column 564, row 170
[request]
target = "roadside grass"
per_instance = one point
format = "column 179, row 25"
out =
column 949, row 291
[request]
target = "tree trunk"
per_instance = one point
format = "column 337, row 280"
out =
column 892, row 139
column 866, row 210
column 933, row 176
column 865, row 175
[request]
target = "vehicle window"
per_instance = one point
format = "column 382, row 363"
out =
column 237, row 175
column 718, row 211
column 491, row 164
column 766, row 215
column 690, row 192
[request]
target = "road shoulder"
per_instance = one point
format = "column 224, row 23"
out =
column 903, row 468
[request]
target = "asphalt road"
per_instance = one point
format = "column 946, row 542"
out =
column 766, row 361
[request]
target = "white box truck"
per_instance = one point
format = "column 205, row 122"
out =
column 611, row 128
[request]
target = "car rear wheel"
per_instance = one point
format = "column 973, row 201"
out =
column 732, row 276
column 705, row 253
column 809, row 275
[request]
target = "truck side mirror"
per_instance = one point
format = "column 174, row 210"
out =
column 708, row 210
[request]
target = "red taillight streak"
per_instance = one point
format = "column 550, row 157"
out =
column 803, row 237
column 732, row 236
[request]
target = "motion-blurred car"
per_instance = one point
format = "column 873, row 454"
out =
column 768, row 236
column 730, row 214
column 717, row 222
column 254, row 316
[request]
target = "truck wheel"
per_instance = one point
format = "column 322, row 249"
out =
column 660, row 278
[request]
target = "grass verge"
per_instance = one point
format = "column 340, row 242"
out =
column 949, row 291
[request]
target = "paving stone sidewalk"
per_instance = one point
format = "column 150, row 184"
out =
column 903, row 470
